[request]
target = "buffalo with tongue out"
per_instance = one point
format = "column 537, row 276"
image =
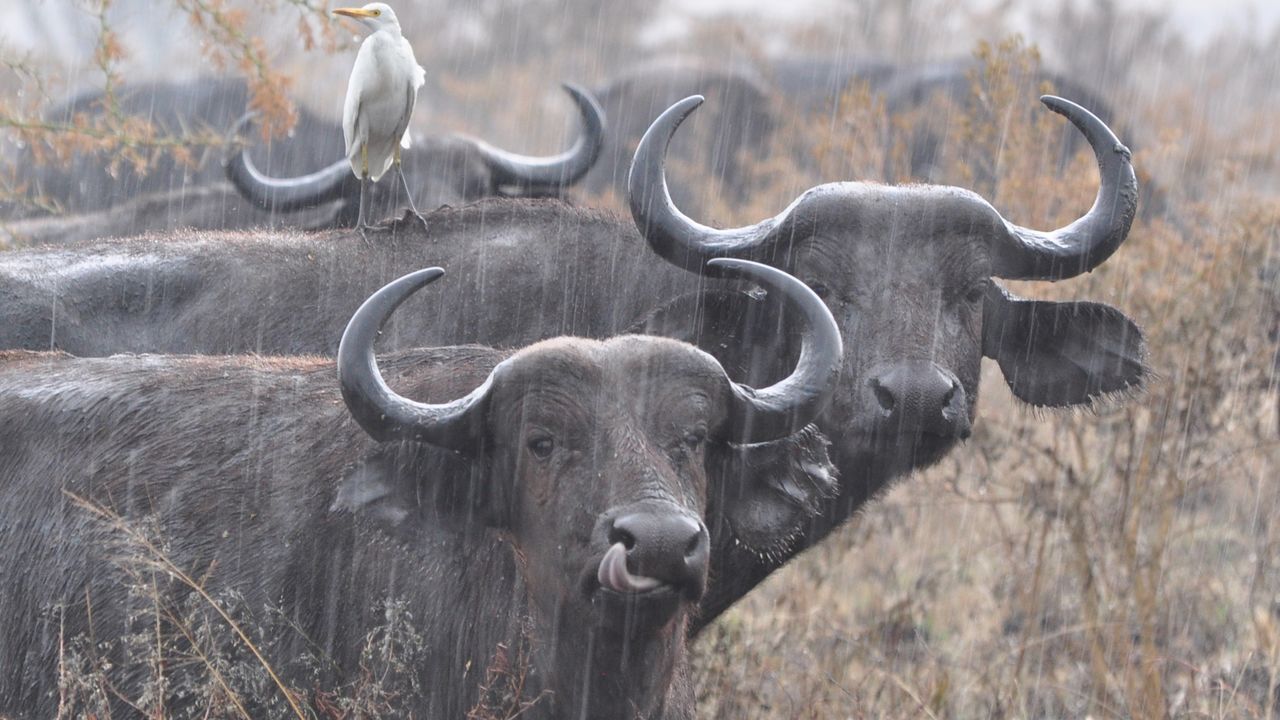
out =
column 541, row 513
column 599, row 463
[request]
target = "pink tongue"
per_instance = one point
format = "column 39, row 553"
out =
column 613, row 573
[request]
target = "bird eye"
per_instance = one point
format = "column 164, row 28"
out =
column 376, row 13
column 541, row 446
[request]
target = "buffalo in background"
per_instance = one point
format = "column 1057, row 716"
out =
column 214, row 104
column 302, row 175
column 299, row 180
column 444, row 171
column 748, row 106
column 947, row 88
column 738, row 128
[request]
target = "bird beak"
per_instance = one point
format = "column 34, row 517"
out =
column 354, row 12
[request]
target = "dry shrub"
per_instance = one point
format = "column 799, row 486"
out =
column 189, row 652
column 133, row 141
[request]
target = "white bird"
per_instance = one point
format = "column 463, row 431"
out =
column 380, row 98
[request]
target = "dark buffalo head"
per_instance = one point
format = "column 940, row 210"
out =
column 740, row 117
column 596, row 459
column 907, row 272
column 439, row 171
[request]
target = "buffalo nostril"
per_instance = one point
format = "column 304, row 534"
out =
column 951, row 393
column 883, row 396
column 692, row 547
column 622, row 535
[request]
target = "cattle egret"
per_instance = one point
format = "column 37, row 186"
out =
column 380, row 96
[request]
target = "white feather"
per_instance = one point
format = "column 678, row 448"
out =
column 381, row 95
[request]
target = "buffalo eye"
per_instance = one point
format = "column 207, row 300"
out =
column 693, row 440
column 976, row 292
column 541, row 446
column 819, row 289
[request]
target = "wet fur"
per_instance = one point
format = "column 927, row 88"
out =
column 256, row 479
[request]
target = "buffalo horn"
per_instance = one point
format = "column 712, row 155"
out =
column 672, row 234
column 286, row 194
column 535, row 175
column 1024, row 254
column 518, row 174
column 381, row 412
column 795, row 401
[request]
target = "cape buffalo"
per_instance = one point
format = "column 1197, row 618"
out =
column 521, row 270
column 442, row 171
column 558, row 502
column 88, row 183
column 216, row 206
column 742, row 122
column 122, row 201
column 907, row 271
column 816, row 84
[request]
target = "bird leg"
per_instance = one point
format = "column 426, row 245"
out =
column 361, row 225
column 408, row 194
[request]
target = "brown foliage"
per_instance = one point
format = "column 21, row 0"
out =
column 134, row 141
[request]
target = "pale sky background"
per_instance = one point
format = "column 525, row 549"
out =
column 59, row 30
column 1199, row 20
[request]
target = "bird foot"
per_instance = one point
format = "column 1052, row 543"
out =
column 422, row 220
column 363, row 229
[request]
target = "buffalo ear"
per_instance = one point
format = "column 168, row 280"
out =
column 399, row 486
column 1058, row 354
column 377, row 487
column 762, row 494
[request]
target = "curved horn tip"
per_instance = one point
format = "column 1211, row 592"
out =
column 237, row 134
column 578, row 93
column 418, row 278
column 670, row 120
column 1085, row 120
column 587, row 104
column 722, row 267
column 574, row 89
column 731, row 263
column 1077, row 114
column 244, row 120
column 1056, row 103
column 399, row 290
column 689, row 104
column 676, row 114
column 790, row 404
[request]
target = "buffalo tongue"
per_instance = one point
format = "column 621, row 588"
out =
column 613, row 573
